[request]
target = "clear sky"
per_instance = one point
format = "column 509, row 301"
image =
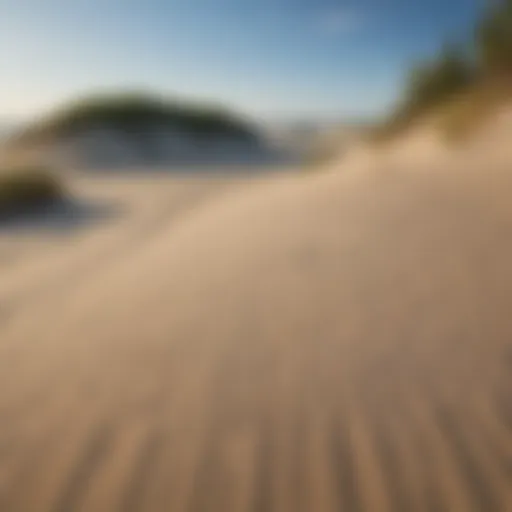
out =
column 278, row 58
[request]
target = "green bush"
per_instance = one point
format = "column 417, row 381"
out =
column 22, row 189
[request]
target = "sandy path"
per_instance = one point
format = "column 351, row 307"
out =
column 329, row 342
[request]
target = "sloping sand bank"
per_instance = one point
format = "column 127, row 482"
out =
column 334, row 341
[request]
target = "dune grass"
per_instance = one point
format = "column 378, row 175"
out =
column 463, row 117
column 462, row 85
column 457, row 119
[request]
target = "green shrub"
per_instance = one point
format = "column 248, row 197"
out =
column 22, row 189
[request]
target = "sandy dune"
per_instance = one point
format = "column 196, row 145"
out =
column 323, row 342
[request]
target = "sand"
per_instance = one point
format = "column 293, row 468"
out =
column 337, row 340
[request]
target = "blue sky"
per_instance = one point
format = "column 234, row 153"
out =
column 269, row 58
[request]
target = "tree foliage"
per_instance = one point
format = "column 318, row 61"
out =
column 138, row 114
column 494, row 39
column 437, row 80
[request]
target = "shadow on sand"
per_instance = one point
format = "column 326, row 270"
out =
column 239, row 162
column 63, row 215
